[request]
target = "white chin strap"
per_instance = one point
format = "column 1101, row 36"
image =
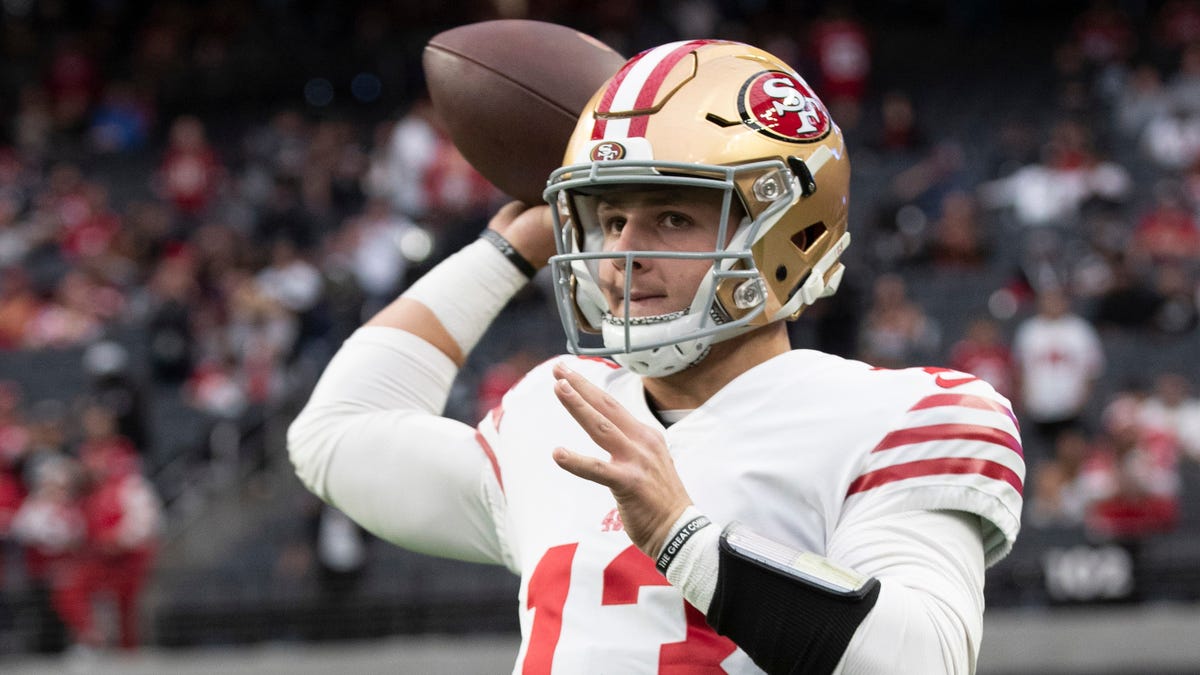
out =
column 656, row 361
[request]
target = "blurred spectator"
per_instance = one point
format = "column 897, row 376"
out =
column 915, row 197
column 296, row 285
column 283, row 216
column 1177, row 312
column 260, row 334
column 33, row 123
column 50, row 527
column 113, row 385
column 899, row 131
column 19, row 304
column 983, row 353
column 1129, row 301
column 91, row 230
column 427, row 178
column 1177, row 24
column 172, row 291
column 14, row 435
column 1184, row 85
column 1104, row 33
column 1063, row 488
column 1069, row 174
column 1167, row 230
column 123, row 516
column 1141, row 100
column 277, row 150
column 74, row 315
column 1172, row 140
column 48, row 440
column 897, row 332
column 73, row 82
column 377, row 247
column 341, row 551
column 122, row 121
column 1174, row 411
column 215, row 388
column 1139, row 476
column 190, row 173
column 842, row 52
column 1059, row 357
column 956, row 240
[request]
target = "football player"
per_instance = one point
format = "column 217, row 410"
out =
column 682, row 492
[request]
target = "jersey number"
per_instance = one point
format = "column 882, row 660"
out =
column 700, row 652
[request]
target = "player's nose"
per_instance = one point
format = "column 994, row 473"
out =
column 634, row 236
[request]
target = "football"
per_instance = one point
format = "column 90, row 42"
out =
column 509, row 93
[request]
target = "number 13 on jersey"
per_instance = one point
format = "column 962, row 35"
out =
column 620, row 585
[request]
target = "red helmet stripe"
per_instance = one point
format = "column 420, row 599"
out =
column 642, row 89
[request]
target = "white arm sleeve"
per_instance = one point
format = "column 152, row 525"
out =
column 929, row 615
column 371, row 442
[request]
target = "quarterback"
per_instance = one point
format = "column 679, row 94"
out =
column 682, row 492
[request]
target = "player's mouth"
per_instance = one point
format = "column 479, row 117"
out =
column 644, row 304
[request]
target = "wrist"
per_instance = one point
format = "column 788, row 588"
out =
column 685, row 527
column 509, row 251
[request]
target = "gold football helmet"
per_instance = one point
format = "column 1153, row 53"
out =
column 714, row 114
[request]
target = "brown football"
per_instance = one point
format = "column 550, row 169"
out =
column 510, row 92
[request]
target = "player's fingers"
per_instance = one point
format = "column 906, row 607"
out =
column 602, row 430
column 590, row 468
column 600, row 400
column 506, row 215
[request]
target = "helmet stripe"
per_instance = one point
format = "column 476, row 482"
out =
column 636, row 85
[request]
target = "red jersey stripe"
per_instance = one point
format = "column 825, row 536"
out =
column 949, row 432
column 935, row 467
column 491, row 455
column 965, row 401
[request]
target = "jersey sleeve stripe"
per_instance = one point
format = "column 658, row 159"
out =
column 965, row 401
column 934, row 467
column 948, row 432
column 491, row 455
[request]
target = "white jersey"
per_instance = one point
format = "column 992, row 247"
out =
column 811, row 450
column 789, row 448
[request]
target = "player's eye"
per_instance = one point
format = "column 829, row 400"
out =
column 612, row 225
column 675, row 220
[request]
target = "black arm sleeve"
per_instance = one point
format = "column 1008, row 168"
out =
column 786, row 619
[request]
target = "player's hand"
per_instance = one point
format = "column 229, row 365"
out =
column 640, row 472
column 529, row 229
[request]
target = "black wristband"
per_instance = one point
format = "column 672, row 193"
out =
column 675, row 544
column 509, row 252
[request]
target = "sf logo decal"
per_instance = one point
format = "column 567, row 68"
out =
column 608, row 151
column 782, row 106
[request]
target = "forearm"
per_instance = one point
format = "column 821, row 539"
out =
column 926, row 617
column 452, row 305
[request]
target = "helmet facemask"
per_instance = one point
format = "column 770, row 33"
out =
column 660, row 344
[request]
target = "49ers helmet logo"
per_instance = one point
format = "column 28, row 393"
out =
column 782, row 106
column 608, row 151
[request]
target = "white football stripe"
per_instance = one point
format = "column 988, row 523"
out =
column 635, row 79
column 957, row 414
column 946, row 449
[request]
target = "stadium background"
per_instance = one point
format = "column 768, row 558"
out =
column 173, row 289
